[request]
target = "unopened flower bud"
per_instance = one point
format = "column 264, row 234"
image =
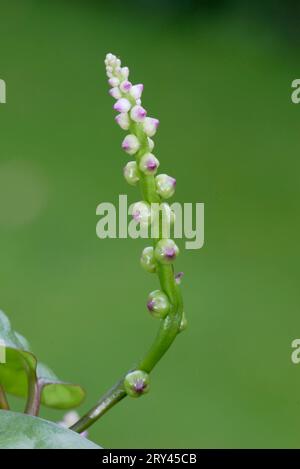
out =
column 123, row 120
column 166, row 251
column 124, row 72
column 148, row 164
column 125, row 86
column 150, row 126
column 165, row 185
column 113, row 82
column 136, row 91
column 109, row 58
column 184, row 323
column 137, row 383
column 141, row 213
column 122, row 105
column 115, row 92
column 138, row 113
column 131, row 173
column 131, row 144
column 158, row 304
column 147, row 260
column 150, row 143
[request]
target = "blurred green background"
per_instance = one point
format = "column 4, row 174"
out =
column 218, row 76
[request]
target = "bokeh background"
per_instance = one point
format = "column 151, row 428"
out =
column 218, row 75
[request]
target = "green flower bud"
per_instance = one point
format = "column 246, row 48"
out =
column 166, row 251
column 165, row 185
column 148, row 260
column 131, row 173
column 158, row 304
column 184, row 323
column 136, row 383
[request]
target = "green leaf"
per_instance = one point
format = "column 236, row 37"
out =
column 20, row 362
column 20, row 431
column 56, row 393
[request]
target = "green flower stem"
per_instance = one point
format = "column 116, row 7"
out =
column 3, row 400
column 170, row 326
column 168, row 330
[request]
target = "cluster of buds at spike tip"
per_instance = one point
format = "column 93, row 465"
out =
column 158, row 304
column 132, row 116
column 136, row 383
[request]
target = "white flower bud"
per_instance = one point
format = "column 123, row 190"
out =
column 122, row 105
column 124, row 72
column 114, row 81
column 138, row 113
column 131, row 173
column 136, row 91
column 110, row 58
column 165, row 185
column 150, row 126
column 123, row 120
column 115, row 92
column 131, row 144
column 148, row 164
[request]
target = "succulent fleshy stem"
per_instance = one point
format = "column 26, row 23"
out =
column 153, row 190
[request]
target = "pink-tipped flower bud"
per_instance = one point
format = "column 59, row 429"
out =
column 150, row 126
column 165, row 185
column 122, row 105
column 148, row 261
column 113, row 82
column 141, row 213
column 123, row 120
column 158, row 304
column 136, row 91
column 115, row 92
column 138, row 113
column 131, row 173
column 131, row 144
column 148, row 164
column 136, row 383
column 125, row 86
column 166, row 251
